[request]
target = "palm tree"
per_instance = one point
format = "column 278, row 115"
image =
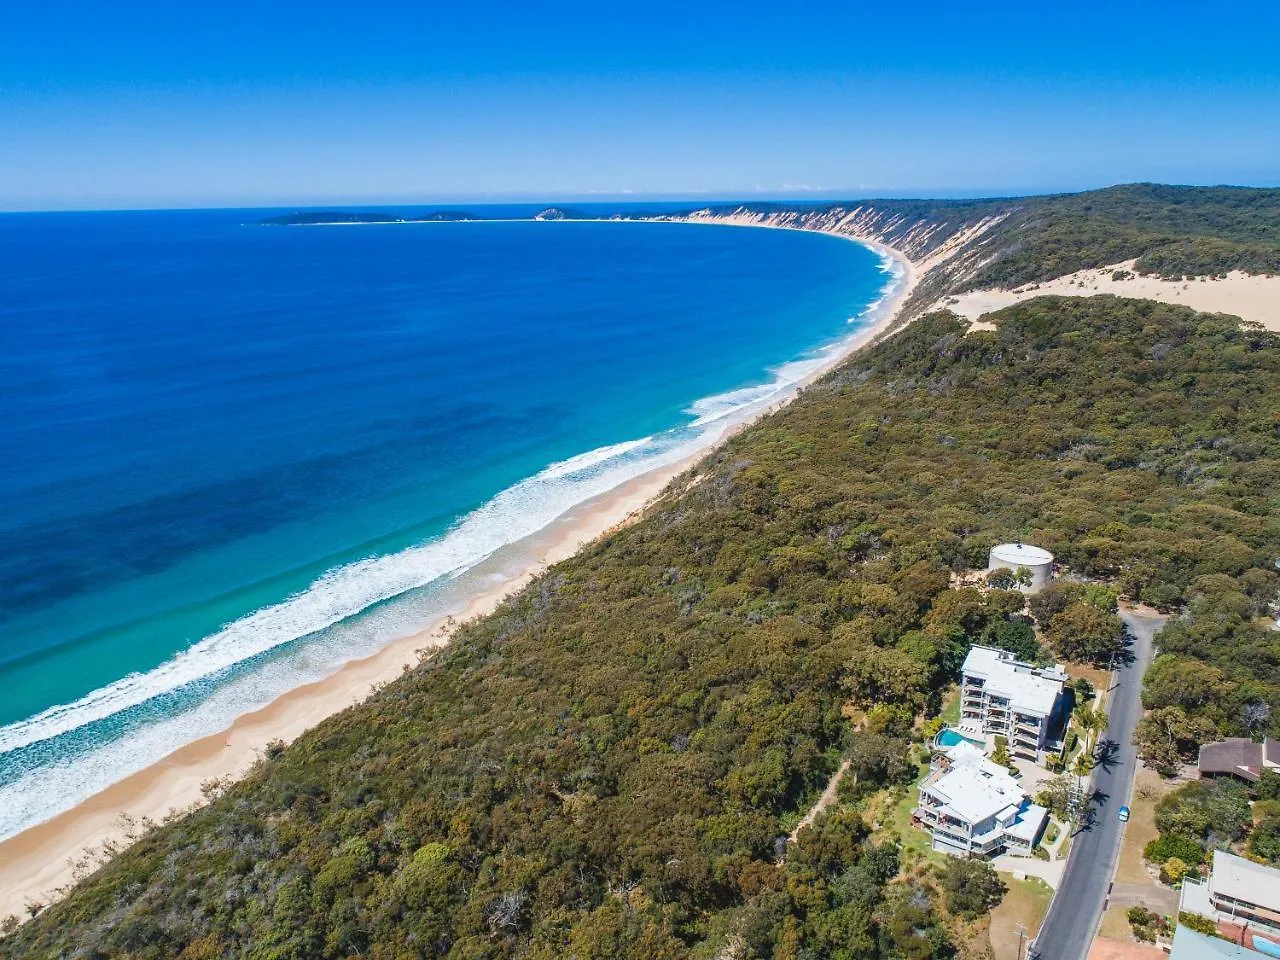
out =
column 1092, row 721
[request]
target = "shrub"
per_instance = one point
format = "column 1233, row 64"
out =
column 1173, row 871
column 1198, row 922
column 1208, row 810
column 972, row 887
column 1148, row 926
column 1167, row 845
column 1264, row 842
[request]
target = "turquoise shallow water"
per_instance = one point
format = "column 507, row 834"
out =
column 242, row 455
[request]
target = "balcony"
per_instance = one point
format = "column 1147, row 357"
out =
column 1242, row 909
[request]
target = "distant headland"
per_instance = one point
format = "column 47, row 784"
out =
column 317, row 218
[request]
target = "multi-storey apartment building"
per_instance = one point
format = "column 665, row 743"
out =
column 974, row 807
column 1002, row 695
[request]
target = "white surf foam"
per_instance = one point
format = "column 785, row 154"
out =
column 327, row 608
column 343, row 592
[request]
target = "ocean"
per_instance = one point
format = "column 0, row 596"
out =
column 239, row 456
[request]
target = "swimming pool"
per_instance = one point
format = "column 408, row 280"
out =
column 951, row 738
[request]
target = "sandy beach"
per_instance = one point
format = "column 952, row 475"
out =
column 38, row 864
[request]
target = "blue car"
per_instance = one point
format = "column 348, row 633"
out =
column 1124, row 814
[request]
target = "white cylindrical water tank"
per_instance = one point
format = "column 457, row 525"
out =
column 1022, row 556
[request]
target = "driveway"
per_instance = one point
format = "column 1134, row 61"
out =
column 1163, row 900
column 1122, row 950
column 1050, row 873
column 1077, row 903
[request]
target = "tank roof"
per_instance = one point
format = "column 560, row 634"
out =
column 1023, row 554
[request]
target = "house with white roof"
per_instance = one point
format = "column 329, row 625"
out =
column 1237, row 891
column 1000, row 694
column 974, row 807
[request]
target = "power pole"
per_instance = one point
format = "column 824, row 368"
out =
column 1022, row 935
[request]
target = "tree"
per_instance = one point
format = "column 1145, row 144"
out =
column 1016, row 636
column 1092, row 720
column 877, row 760
column 1268, row 785
column 877, row 675
column 1055, row 796
column 1053, row 599
column 1000, row 754
column 1254, row 716
column 972, row 887
column 1001, row 578
column 1264, row 841
column 1084, row 634
column 1209, row 811
column 1172, row 680
column 1083, row 689
column 1166, row 737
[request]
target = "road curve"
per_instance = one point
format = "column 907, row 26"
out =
column 1076, row 908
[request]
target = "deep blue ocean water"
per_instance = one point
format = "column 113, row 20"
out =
column 237, row 456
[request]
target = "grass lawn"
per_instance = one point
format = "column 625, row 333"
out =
column 1115, row 924
column 894, row 815
column 1101, row 679
column 1025, row 904
column 951, row 709
column 1148, row 788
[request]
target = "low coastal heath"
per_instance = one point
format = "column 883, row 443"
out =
column 118, row 740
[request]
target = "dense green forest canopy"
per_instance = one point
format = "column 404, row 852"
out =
column 608, row 766
column 1171, row 231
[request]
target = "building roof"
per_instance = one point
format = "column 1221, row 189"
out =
column 1189, row 945
column 975, row 788
column 1021, row 554
column 1239, row 756
column 964, row 752
column 1027, row 688
column 1245, row 880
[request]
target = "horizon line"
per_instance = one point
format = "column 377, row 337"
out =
column 815, row 197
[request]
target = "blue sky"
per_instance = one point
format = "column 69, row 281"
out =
column 166, row 104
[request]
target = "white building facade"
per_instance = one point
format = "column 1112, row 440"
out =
column 973, row 807
column 1001, row 695
column 1237, row 891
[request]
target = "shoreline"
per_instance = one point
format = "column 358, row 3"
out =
column 40, row 862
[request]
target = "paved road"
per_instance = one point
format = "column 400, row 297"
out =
column 1077, row 903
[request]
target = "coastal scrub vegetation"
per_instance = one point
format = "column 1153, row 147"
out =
column 608, row 765
column 1173, row 232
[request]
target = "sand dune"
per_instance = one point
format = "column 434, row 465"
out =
column 1247, row 296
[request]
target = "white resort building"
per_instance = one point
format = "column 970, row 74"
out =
column 1002, row 695
column 974, row 807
